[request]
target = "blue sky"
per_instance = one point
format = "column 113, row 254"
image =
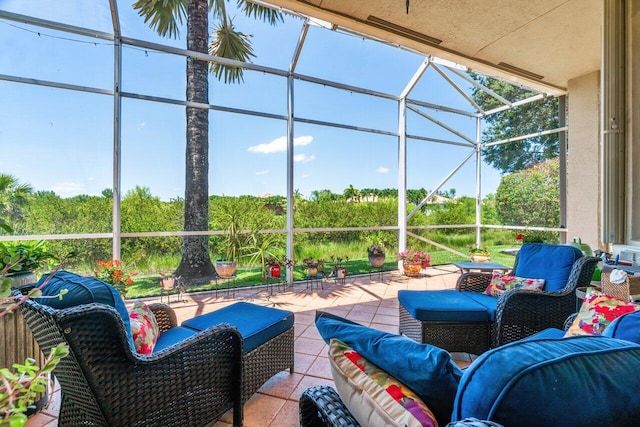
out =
column 65, row 137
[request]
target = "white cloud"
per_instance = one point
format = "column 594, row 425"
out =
column 262, row 172
column 279, row 145
column 307, row 175
column 141, row 125
column 303, row 158
column 382, row 169
column 68, row 189
column 92, row 178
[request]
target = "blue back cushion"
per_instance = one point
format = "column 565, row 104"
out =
column 550, row 262
column 625, row 327
column 83, row 290
column 577, row 381
column 425, row 369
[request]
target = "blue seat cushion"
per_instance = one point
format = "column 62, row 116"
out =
column 172, row 336
column 625, row 327
column 544, row 382
column 427, row 370
column 445, row 305
column 82, row 290
column 257, row 324
column 490, row 303
column 553, row 263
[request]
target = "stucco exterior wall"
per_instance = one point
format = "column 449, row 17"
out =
column 583, row 165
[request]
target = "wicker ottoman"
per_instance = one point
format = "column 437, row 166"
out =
column 268, row 340
column 447, row 319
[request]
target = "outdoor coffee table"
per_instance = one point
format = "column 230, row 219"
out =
column 480, row 266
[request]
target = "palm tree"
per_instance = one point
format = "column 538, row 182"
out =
column 164, row 17
column 13, row 197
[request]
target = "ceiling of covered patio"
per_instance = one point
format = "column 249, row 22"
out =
column 541, row 43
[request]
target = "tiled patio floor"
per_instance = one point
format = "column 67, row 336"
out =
column 371, row 301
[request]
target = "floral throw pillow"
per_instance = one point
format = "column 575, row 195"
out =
column 598, row 310
column 372, row 395
column 501, row 283
column 144, row 327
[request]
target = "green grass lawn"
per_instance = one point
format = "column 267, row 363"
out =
column 148, row 286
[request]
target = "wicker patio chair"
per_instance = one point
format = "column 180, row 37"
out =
column 522, row 313
column 519, row 313
column 104, row 383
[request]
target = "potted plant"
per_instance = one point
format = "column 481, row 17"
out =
column 311, row 266
column 111, row 272
column 339, row 266
column 480, row 254
column 376, row 254
column 21, row 259
column 273, row 266
column 413, row 261
column 23, row 384
column 235, row 243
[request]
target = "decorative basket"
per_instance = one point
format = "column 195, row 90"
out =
column 624, row 290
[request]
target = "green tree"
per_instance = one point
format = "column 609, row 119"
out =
column 522, row 120
column 165, row 17
column 530, row 197
column 14, row 196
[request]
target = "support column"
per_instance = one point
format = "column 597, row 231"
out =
column 562, row 144
column 402, row 174
column 613, row 122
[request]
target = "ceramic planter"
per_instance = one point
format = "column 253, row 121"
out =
column 376, row 260
column 225, row 269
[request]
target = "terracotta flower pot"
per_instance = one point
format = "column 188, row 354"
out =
column 411, row 270
column 480, row 258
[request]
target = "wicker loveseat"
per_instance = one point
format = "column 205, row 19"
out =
column 544, row 380
column 467, row 320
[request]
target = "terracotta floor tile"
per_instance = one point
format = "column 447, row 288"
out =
column 288, row 415
column 302, row 362
column 308, row 346
column 281, row 384
column 260, row 410
column 320, row 368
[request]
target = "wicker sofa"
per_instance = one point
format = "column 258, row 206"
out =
column 467, row 320
column 194, row 375
column 542, row 380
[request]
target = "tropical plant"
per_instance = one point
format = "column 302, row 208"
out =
column 23, row 256
column 164, row 17
column 19, row 389
column 13, row 197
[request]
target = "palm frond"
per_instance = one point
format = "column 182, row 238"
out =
column 257, row 11
column 164, row 16
column 231, row 44
column 217, row 8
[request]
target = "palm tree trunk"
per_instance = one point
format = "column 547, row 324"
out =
column 196, row 262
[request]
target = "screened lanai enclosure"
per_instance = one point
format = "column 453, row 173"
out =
column 325, row 123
